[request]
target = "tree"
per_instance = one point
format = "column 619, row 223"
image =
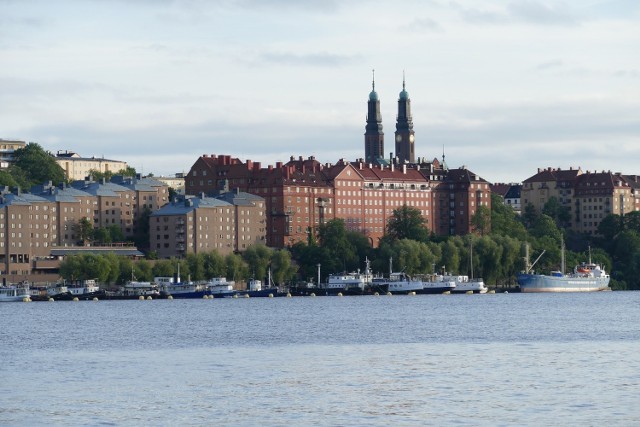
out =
column 141, row 236
column 7, row 179
column 333, row 237
column 257, row 258
column 38, row 165
column 281, row 268
column 481, row 220
column 163, row 268
column 84, row 230
column 407, row 223
column 555, row 210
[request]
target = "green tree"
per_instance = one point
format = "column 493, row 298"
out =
column 560, row 214
column 214, row 265
column 38, row 165
column 236, row 268
column 407, row 223
column 334, row 238
column 84, row 229
column 115, row 233
column 7, row 179
column 101, row 235
column 257, row 258
column 163, row 268
column 141, row 235
column 481, row 220
column 197, row 269
column 282, row 270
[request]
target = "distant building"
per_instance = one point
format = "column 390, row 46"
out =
column 548, row 183
column 510, row 194
column 78, row 168
column 176, row 182
column 228, row 223
column 303, row 194
column 7, row 148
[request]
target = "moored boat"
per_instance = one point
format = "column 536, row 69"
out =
column 168, row 286
column 14, row 293
column 219, row 287
column 464, row 284
column 586, row 277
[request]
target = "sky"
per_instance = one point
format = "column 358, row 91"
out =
column 502, row 87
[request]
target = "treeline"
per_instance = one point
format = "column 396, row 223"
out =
column 110, row 269
column 495, row 252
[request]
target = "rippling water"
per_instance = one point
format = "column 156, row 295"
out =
column 464, row 360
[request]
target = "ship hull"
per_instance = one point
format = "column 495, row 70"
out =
column 542, row 283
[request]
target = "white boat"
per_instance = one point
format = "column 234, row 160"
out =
column 138, row 289
column 178, row 289
column 464, row 284
column 219, row 287
column 398, row 283
column 14, row 293
column 348, row 283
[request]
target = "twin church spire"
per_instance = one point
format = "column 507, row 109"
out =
column 404, row 135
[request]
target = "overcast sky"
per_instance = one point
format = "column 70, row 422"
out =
column 505, row 86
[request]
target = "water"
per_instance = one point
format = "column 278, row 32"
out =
column 461, row 360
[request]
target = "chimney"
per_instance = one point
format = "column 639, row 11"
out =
column 257, row 166
column 392, row 164
column 300, row 158
column 404, row 169
column 270, row 168
column 278, row 165
column 249, row 164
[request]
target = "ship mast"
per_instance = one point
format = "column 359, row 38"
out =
column 562, row 261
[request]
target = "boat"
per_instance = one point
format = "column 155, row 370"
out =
column 57, row 291
column 398, row 283
column 354, row 283
column 464, row 284
column 82, row 290
column 134, row 290
column 438, row 285
column 586, row 277
column 255, row 289
column 219, row 287
column 169, row 287
column 175, row 288
column 15, row 293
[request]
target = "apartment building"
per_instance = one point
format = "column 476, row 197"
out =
column 598, row 194
column 77, row 167
column 548, row 183
column 303, row 193
column 228, row 223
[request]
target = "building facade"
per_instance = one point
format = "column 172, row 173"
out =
column 303, row 193
column 228, row 223
column 79, row 168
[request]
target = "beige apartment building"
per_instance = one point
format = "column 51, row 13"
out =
column 78, row 168
column 228, row 223
column 548, row 183
column 33, row 224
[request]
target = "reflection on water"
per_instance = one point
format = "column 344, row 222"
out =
column 424, row 360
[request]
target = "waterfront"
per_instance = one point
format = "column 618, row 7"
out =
column 503, row 359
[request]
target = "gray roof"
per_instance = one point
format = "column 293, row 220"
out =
column 106, row 188
column 23, row 199
column 59, row 194
column 240, row 198
column 124, row 250
column 183, row 206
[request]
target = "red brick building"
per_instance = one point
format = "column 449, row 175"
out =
column 303, row 193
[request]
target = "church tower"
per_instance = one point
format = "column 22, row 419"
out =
column 373, row 137
column 405, row 137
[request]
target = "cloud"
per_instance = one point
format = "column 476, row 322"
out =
column 523, row 11
column 541, row 13
column 424, row 24
column 320, row 59
column 633, row 74
column 555, row 63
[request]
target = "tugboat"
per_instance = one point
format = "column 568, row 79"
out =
column 254, row 288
